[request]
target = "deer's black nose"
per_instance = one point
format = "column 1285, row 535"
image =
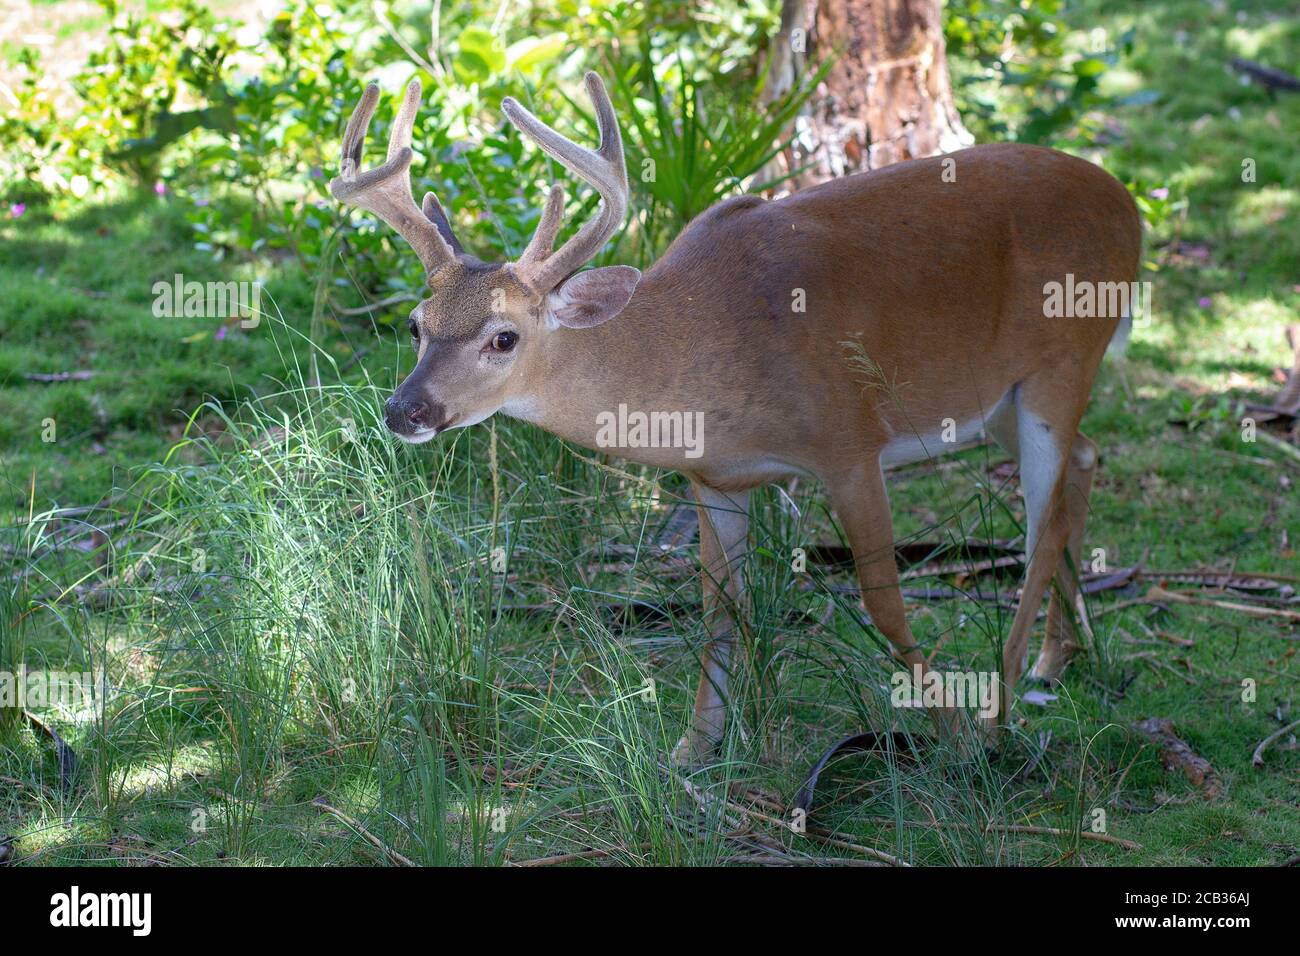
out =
column 403, row 417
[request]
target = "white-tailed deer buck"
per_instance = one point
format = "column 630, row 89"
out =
column 935, row 270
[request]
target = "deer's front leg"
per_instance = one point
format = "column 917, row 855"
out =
column 724, row 534
column 862, row 503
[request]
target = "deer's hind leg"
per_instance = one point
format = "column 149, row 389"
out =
column 1041, row 438
column 1067, row 619
column 1067, row 616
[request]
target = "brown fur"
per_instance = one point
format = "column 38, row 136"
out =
column 941, row 283
column 924, row 302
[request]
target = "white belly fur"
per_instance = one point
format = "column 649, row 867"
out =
column 906, row 448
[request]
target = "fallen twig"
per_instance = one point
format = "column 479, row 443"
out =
column 814, row 833
column 1012, row 828
column 991, row 828
column 78, row 376
column 1258, row 757
column 1159, row 594
column 1156, row 662
column 822, row 836
column 1222, row 579
column 364, row 833
column 1122, row 605
column 1285, row 447
column 771, row 859
column 561, row 858
column 1056, row 832
column 963, row 568
column 1096, row 583
column 1176, row 754
column 1175, row 639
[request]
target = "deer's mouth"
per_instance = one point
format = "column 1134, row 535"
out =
column 419, row 436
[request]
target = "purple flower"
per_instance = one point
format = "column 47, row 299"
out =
column 160, row 188
column 1205, row 302
column 221, row 333
column 1161, row 193
column 17, row 209
column 200, row 202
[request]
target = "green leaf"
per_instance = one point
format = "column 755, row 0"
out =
column 470, row 67
column 480, row 43
column 530, row 53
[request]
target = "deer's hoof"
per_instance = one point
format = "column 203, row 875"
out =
column 691, row 753
column 1047, row 669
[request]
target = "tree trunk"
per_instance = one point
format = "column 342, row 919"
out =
column 888, row 96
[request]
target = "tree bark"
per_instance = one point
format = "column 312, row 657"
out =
column 888, row 96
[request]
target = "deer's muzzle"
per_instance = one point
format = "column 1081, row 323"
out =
column 410, row 418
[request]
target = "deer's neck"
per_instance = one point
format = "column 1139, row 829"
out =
column 587, row 374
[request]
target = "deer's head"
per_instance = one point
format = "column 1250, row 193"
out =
column 484, row 325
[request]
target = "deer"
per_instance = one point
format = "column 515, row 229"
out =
column 934, row 270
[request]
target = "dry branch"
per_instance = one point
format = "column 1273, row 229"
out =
column 365, row 834
column 1159, row 595
column 1176, row 754
column 1258, row 757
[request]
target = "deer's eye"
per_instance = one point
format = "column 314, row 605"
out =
column 414, row 328
column 504, row 341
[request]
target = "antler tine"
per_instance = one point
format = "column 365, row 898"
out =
column 548, row 227
column 603, row 168
column 399, row 138
column 386, row 190
column 354, row 137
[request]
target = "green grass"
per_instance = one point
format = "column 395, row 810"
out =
column 309, row 610
column 78, row 296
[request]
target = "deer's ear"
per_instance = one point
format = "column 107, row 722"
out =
column 589, row 298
